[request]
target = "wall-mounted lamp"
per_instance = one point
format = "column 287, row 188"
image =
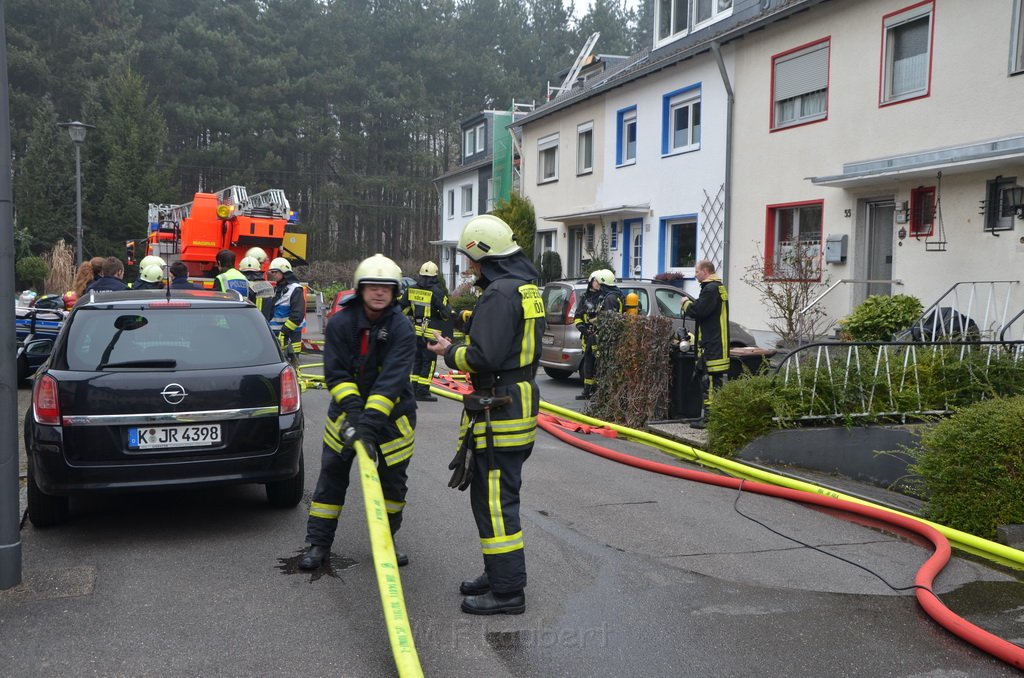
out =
column 902, row 210
column 1014, row 197
column 902, row 233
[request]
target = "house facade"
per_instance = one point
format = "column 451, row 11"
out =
column 486, row 173
column 882, row 135
column 879, row 137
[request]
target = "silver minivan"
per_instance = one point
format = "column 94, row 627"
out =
column 561, row 352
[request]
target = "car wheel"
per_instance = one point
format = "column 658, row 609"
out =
column 560, row 375
column 44, row 510
column 288, row 493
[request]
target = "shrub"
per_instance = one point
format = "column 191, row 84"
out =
column 463, row 302
column 744, row 409
column 550, row 267
column 972, row 467
column 31, row 272
column 634, row 370
column 880, row 317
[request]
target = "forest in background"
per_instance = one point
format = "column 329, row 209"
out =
column 352, row 107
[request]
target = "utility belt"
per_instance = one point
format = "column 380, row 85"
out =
column 486, row 380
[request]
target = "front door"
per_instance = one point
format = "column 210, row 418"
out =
column 633, row 250
column 880, row 216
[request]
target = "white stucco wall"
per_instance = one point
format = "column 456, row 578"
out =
column 972, row 99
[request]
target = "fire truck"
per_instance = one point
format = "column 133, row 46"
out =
column 230, row 218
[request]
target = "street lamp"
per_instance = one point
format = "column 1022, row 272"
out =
column 77, row 130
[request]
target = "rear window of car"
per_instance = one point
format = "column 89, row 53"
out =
column 670, row 302
column 193, row 338
column 557, row 299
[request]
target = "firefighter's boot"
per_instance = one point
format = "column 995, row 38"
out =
column 314, row 557
column 475, row 587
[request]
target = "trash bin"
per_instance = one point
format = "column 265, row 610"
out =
column 749, row 360
column 686, row 396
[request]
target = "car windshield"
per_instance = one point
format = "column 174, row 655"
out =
column 181, row 338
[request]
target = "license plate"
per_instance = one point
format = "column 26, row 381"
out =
column 185, row 435
column 547, row 340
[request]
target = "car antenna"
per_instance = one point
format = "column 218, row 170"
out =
column 167, row 277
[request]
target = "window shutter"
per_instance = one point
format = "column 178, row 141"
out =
column 802, row 74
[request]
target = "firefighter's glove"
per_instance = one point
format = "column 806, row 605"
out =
column 281, row 341
column 462, row 467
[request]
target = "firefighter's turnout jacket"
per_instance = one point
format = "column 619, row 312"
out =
column 501, row 358
column 366, row 369
column 289, row 313
column 426, row 301
column 591, row 305
column 711, row 310
column 427, row 305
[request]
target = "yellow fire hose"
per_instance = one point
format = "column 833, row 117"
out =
column 389, row 582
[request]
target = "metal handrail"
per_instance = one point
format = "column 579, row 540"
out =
column 879, row 371
column 844, row 281
column 983, row 327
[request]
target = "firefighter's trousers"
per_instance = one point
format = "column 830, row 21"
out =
column 423, row 367
column 588, row 365
column 494, row 495
column 331, row 486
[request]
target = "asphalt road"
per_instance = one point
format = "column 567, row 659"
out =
column 631, row 573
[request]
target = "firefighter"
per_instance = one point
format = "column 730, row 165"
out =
column 147, row 261
column 711, row 311
column 151, row 278
column 252, row 270
column 602, row 295
column 368, row 353
column 230, row 278
column 499, row 419
column 288, row 308
column 427, row 305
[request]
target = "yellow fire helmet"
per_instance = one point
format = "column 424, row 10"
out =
column 257, row 253
column 249, row 264
column 378, row 269
column 280, row 264
column 150, row 260
column 487, row 237
column 428, row 269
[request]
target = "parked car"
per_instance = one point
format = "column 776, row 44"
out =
column 147, row 391
column 36, row 329
column 336, row 304
column 561, row 352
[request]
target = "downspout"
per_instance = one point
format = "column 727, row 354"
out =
column 716, row 49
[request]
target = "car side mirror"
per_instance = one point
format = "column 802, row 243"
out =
column 39, row 347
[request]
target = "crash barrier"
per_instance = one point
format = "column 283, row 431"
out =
column 313, row 345
column 403, row 646
column 876, row 378
column 923, row 581
column 553, row 417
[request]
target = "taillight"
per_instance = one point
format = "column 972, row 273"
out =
column 45, row 402
column 289, row 391
column 570, row 306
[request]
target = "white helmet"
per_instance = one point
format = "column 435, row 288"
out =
column 280, row 264
column 487, row 236
column 428, row 269
column 250, row 264
column 604, row 276
column 152, row 273
column 149, row 260
column 378, row 269
column 257, row 253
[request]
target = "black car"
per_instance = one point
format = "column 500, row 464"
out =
column 144, row 390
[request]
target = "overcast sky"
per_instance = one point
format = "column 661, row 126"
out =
column 583, row 5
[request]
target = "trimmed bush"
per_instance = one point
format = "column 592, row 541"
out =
column 634, row 371
column 972, row 467
column 743, row 410
column 880, row 317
